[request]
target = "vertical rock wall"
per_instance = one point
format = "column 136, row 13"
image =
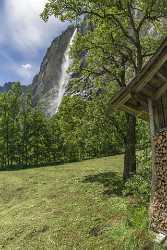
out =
column 45, row 86
column 159, row 202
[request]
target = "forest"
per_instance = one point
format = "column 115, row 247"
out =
column 82, row 129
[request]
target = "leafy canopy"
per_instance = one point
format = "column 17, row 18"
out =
column 119, row 35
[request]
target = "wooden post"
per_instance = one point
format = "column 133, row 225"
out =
column 151, row 115
column 152, row 132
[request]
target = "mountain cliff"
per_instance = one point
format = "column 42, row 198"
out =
column 46, row 84
column 51, row 83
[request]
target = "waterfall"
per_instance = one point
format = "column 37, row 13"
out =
column 64, row 79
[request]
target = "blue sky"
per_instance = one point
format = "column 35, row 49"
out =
column 24, row 38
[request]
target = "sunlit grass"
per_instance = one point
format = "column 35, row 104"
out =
column 74, row 206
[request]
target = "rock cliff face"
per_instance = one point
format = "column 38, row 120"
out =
column 51, row 83
column 45, row 86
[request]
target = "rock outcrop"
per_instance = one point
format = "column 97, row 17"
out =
column 51, row 83
column 45, row 86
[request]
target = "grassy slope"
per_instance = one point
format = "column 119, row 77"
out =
column 74, row 206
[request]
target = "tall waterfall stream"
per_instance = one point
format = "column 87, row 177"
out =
column 64, row 79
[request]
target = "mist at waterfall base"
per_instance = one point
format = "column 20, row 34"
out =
column 64, row 79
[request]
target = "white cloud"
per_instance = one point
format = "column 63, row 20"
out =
column 25, row 71
column 23, row 26
column 24, row 38
column 26, row 66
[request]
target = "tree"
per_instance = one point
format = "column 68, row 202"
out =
column 24, row 131
column 122, row 35
column 9, row 133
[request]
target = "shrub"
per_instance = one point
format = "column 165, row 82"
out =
column 139, row 186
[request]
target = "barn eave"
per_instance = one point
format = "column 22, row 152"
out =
column 150, row 83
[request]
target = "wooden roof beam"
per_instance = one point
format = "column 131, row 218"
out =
column 151, row 74
column 134, row 107
column 161, row 76
column 140, row 98
column 160, row 91
column 124, row 99
column 148, row 90
column 129, row 109
column 139, row 113
column 165, row 67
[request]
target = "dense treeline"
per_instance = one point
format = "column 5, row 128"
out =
column 81, row 130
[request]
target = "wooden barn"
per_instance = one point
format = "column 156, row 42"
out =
column 146, row 96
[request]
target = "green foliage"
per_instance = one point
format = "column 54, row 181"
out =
column 87, row 129
column 138, row 217
column 139, row 186
column 143, row 137
column 119, row 36
column 116, row 39
column 133, row 232
column 80, row 130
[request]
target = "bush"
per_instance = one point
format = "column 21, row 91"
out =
column 139, row 186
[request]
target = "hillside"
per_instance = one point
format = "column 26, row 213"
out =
column 74, row 206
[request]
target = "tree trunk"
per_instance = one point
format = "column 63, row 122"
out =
column 130, row 148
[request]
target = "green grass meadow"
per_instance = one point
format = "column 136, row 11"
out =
column 73, row 206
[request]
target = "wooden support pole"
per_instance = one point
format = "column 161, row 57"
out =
column 152, row 132
column 151, row 115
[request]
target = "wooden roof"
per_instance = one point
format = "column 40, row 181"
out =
column 151, row 82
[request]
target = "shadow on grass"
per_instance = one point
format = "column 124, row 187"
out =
column 112, row 182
